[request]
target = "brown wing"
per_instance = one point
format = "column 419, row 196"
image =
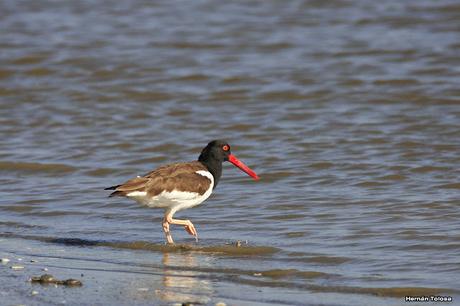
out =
column 135, row 184
column 173, row 170
column 188, row 182
column 181, row 176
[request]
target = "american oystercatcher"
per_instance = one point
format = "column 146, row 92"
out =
column 179, row 186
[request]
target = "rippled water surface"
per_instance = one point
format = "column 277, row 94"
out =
column 348, row 110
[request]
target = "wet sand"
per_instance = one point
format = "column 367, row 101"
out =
column 120, row 273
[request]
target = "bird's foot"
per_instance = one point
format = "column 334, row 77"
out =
column 190, row 228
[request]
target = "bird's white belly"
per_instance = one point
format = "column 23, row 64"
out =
column 174, row 200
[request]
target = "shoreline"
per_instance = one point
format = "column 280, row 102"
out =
column 167, row 278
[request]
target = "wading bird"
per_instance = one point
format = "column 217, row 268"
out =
column 179, row 186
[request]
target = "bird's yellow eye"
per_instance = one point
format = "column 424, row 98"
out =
column 225, row 148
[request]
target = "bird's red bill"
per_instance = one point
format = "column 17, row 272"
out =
column 242, row 166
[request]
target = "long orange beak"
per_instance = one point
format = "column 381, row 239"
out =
column 242, row 166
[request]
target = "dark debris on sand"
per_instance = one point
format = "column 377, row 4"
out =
column 49, row 279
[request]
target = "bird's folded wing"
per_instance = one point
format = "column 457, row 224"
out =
column 172, row 170
column 184, row 182
column 154, row 185
column 135, row 184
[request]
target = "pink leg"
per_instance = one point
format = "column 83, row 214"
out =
column 189, row 227
column 167, row 232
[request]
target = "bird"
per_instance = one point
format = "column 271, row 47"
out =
column 182, row 185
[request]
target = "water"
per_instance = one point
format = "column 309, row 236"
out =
column 348, row 110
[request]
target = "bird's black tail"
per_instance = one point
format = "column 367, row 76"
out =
column 112, row 187
column 115, row 193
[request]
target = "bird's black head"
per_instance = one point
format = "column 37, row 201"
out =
column 215, row 151
column 218, row 151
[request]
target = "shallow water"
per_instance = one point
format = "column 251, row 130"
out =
column 348, row 110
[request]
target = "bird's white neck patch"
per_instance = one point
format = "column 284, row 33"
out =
column 207, row 174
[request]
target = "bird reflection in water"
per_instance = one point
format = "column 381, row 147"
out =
column 181, row 282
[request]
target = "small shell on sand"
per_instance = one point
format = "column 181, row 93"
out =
column 237, row 243
column 4, row 261
column 17, row 267
column 45, row 278
column 71, row 282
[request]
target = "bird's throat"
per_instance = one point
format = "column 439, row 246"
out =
column 214, row 167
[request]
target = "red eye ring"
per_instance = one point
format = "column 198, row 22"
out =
column 225, row 148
